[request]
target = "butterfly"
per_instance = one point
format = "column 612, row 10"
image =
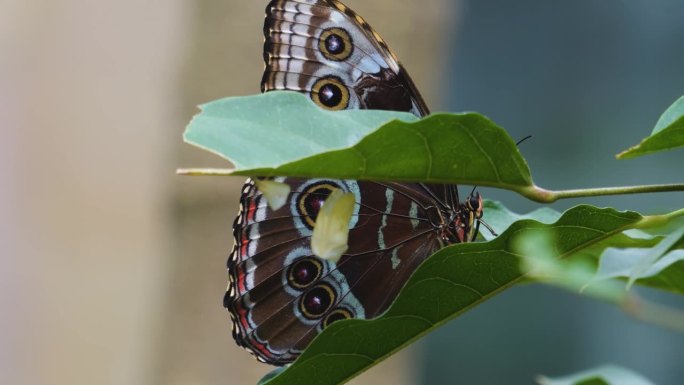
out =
column 280, row 295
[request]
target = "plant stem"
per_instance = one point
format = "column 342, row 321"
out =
column 533, row 192
column 659, row 220
column 541, row 195
column 655, row 314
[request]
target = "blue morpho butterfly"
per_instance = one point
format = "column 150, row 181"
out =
column 280, row 295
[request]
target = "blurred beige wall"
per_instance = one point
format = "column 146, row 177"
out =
column 91, row 93
column 112, row 269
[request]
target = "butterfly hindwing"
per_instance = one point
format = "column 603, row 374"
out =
column 281, row 295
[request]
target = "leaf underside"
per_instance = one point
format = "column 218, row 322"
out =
column 356, row 144
column 668, row 133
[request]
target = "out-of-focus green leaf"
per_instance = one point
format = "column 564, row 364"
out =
column 265, row 135
column 606, row 375
column 660, row 266
column 449, row 283
column 634, row 256
column 667, row 134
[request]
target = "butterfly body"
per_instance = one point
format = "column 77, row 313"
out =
column 280, row 294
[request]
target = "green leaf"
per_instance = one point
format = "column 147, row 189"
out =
column 667, row 134
column 627, row 239
column 670, row 116
column 265, row 135
column 274, row 128
column 608, row 375
column 633, row 256
column 500, row 218
column 449, row 283
column 271, row 375
column 660, row 265
column 593, row 381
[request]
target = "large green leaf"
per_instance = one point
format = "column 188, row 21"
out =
column 449, row 283
column 605, row 375
column 667, row 134
column 266, row 130
column 265, row 135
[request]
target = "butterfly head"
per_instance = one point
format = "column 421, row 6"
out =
column 464, row 222
column 473, row 205
column 471, row 212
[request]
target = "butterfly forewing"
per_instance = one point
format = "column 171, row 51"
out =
column 322, row 48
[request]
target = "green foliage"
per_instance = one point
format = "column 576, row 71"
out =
column 606, row 375
column 667, row 134
column 652, row 261
column 443, row 148
column 277, row 128
column 500, row 218
column 596, row 251
column 449, row 283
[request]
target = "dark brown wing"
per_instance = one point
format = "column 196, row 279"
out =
column 281, row 295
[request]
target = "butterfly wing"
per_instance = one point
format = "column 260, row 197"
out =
column 324, row 49
column 280, row 295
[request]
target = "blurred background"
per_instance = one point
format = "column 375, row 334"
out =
column 112, row 269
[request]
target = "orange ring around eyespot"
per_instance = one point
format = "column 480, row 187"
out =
column 302, row 201
column 346, row 40
column 346, row 314
column 334, row 82
column 331, row 297
column 290, row 273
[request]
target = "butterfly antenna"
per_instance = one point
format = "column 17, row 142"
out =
column 488, row 227
column 523, row 139
column 480, row 221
